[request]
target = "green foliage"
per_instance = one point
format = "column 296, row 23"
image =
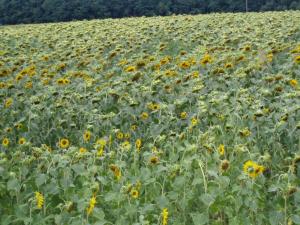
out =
column 37, row 11
column 184, row 119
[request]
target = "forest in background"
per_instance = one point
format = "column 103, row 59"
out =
column 39, row 11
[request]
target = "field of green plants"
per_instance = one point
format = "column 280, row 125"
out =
column 176, row 120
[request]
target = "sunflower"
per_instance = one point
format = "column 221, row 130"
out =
column 133, row 127
column 170, row 73
column 184, row 65
column 64, row 143
column 194, row 121
column 144, row 116
column 221, row 149
column 183, row 115
column 39, row 200
column 195, row 74
column 138, row 144
column 126, row 145
column 87, row 136
column 228, row 65
column 60, row 81
column 134, row 193
column 247, row 48
column 165, row 215
column 293, row 83
column 206, row 59
column 28, row 85
column 82, row 150
column 154, row 160
column 19, row 77
column 5, row 142
column 120, row 135
column 117, row 172
column 66, row 81
column 130, row 69
column 245, row 132
column 225, row 165
column 8, row 102
column 2, row 85
column 127, row 135
column 153, row 106
column 22, row 141
column 252, row 169
column 297, row 59
column 92, row 204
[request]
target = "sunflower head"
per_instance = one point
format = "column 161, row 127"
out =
column 64, row 143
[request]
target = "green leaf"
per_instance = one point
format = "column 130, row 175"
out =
column 207, row 199
column 295, row 219
column 13, row 185
column 200, row 218
column 41, row 179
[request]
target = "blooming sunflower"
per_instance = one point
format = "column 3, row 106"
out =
column 8, row 102
column 293, row 83
column 154, row 160
column 183, row 115
column 134, row 193
column 5, row 142
column 206, row 59
column 297, row 59
column 144, row 116
column 138, row 144
column 22, row 141
column 165, row 215
column 82, row 150
column 64, row 143
column 39, row 200
column 221, row 149
column 184, row 65
column 252, row 169
column 130, row 69
column 91, row 206
column 87, row 136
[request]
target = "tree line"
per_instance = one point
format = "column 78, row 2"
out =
column 37, row 11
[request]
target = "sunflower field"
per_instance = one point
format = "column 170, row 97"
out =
column 175, row 120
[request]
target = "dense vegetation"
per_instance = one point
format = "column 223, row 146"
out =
column 33, row 11
column 175, row 120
